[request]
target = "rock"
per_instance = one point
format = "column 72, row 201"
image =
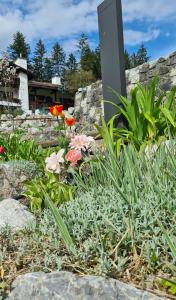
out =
column 71, row 110
column 6, row 116
column 168, row 145
column 13, row 174
column 14, row 214
column 68, row 286
column 34, row 130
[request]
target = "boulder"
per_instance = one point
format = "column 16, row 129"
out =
column 14, row 214
column 68, row 286
column 13, row 174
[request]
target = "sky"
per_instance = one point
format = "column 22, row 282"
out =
column 152, row 22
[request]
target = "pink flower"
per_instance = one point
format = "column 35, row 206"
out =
column 2, row 149
column 54, row 160
column 73, row 156
column 81, row 142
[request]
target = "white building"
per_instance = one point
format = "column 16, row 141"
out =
column 31, row 95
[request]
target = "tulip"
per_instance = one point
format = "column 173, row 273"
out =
column 56, row 110
column 2, row 149
column 70, row 121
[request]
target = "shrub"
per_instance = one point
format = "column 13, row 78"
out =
column 148, row 116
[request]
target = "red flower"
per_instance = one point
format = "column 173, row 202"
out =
column 70, row 121
column 56, row 110
column 2, row 149
column 73, row 156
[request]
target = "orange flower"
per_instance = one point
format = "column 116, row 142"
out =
column 56, row 110
column 70, row 121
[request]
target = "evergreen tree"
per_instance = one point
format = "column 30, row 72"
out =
column 97, row 63
column 133, row 61
column 58, row 60
column 127, row 60
column 39, row 61
column 89, row 59
column 47, row 69
column 19, row 47
column 142, row 55
column 82, row 44
column 72, row 63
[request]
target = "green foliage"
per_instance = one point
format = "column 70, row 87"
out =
column 113, row 222
column 133, row 193
column 58, row 60
column 47, row 69
column 148, row 117
column 136, row 59
column 142, row 56
column 57, row 191
column 89, row 60
column 97, row 63
column 19, row 47
column 71, row 63
column 60, row 224
column 78, row 79
column 39, row 60
column 17, row 148
column 167, row 283
column 170, row 285
column 127, row 60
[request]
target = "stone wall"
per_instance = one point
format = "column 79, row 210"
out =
column 88, row 103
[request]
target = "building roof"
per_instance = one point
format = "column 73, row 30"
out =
column 43, row 85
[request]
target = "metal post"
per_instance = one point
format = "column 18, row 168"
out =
column 112, row 53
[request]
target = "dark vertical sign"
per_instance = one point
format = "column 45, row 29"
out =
column 112, row 52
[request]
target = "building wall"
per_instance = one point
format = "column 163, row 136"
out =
column 23, row 91
column 88, row 104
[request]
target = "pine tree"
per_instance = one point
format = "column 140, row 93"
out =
column 47, row 69
column 97, row 63
column 89, row 59
column 71, row 63
column 127, row 60
column 133, row 60
column 58, row 60
column 82, row 44
column 19, row 47
column 39, row 61
column 142, row 55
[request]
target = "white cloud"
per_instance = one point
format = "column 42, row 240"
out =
column 60, row 19
column 151, row 10
column 46, row 20
column 133, row 37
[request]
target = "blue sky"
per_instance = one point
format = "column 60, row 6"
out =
column 150, row 21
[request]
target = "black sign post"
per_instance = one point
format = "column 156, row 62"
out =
column 112, row 53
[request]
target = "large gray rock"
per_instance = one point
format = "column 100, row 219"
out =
column 13, row 174
column 67, row 286
column 14, row 214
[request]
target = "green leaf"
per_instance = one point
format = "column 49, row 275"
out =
column 168, row 115
column 60, row 223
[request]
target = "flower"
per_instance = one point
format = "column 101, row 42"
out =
column 70, row 121
column 73, row 156
column 2, row 149
column 81, row 142
column 56, row 110
column 54, row 160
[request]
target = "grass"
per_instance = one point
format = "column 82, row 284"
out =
column 113, row 223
